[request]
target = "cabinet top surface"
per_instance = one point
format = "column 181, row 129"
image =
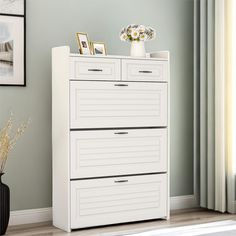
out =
column 120, row 57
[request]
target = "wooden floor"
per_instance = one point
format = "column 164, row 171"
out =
column 178, row 218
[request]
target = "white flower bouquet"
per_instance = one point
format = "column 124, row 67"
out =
column 137, row 33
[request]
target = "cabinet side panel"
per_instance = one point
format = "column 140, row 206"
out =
column 169, row 144
column 60, row 137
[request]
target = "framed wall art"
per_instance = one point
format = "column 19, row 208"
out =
column 12, row 43
column 12, row 7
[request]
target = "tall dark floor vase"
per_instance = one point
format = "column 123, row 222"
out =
column 4, row 206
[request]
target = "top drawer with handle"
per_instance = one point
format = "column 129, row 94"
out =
column 94, row 69
column 144, row 70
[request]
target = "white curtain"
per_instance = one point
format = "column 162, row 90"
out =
column 230, row 61
column 213, row 104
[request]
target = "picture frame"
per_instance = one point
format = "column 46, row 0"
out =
column 12, row 51
column 99, row 48
column 83, row 43
column 13, row 7
column 13, row 43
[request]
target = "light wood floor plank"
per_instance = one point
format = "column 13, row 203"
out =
column 178, row 218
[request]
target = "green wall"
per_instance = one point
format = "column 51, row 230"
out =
column 53, row 23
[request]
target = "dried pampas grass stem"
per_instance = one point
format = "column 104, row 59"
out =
column 8, row 139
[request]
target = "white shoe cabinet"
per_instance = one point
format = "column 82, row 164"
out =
column 110, row 135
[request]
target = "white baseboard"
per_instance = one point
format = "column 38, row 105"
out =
column 30, row 216
column 45, row 214
column 183, row 202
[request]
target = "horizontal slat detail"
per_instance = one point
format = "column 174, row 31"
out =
column 103, row 104
column 112, row 152
column 120, row 208
column 116, row 155
column 120, row 202
column 124, row 141
column 144, row 159
column 112, row 200
column 123, row 188
column 115, row 197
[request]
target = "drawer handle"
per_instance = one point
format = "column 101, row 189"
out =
column 145, row 71
column 122, row 133
column 121, row 181
column 121, row 85
column 95, row 70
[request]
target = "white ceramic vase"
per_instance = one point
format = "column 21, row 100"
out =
column 137, row 49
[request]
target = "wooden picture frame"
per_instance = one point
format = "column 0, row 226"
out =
column 83, row 43
column 12, row 43
column 99, row 48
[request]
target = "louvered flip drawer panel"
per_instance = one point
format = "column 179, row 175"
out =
column 117, row 104
column 144, row 70
column 116, row 200
column 118, row 152
column 94, row 69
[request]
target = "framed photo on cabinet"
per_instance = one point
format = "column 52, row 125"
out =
column 12, row 43
column 99, row 48
column 83, row 43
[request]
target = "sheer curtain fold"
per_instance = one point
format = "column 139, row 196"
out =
column 216, row 176
column 230, row 90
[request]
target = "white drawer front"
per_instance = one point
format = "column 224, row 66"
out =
column 118, row 152
column 95, row 69
column 116, row 200
column 144, row 70
column 116, row 104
